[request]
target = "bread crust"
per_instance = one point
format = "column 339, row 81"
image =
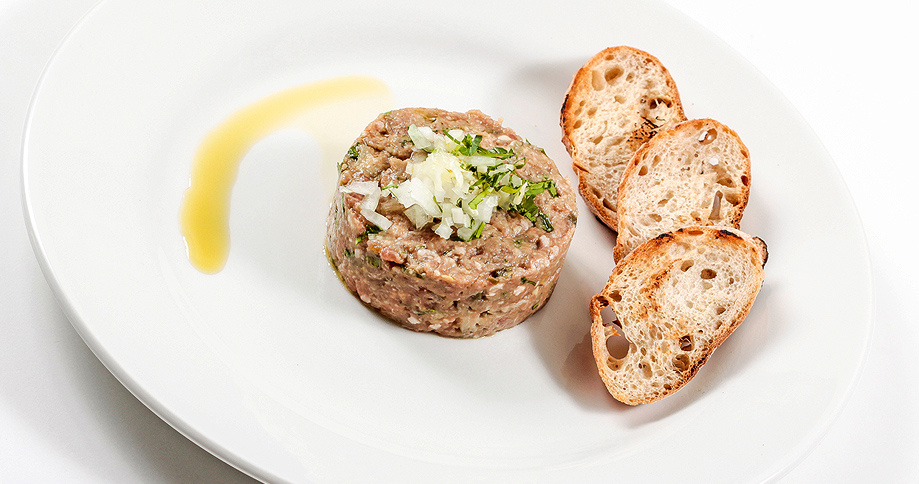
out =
column 617, row 101
column 698, row 172
column 675, row 305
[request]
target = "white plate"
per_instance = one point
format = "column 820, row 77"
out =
column 274, row 367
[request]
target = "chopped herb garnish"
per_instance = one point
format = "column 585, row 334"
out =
column 353, row 152
column 371, row 229
column 470, row 146
column 524, row 280
column 461, row 204
column 478, row 231
column 543, row 221
column 495, row 178
column 474, row 203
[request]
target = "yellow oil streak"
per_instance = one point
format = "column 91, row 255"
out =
column 205, row 211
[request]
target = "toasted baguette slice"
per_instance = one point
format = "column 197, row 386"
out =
column 695, row 173
column 616, row 102
column 676, row 297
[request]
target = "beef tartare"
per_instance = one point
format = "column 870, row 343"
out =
column 448, row 222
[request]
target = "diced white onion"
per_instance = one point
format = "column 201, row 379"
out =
column 443, row 230
column 465, row 233
column 418, row 216
column 457, row 134
column 376, row 219
column 439, row 187
column 486, row 208
column 371, row 200
column 372, row 192
column 419, row 137
column 460, row 217
column 361, row 188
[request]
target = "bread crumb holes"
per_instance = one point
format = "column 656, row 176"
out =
column 617, row 346
column 612, row 74
column 597, row 81
column 716, row 207
column 707, row 137
column 681, row 362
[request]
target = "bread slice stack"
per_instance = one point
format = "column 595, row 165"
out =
column 676, row 298
column 675, row 191
column 616, row 102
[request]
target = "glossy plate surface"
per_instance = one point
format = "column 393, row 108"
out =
column 274, row 367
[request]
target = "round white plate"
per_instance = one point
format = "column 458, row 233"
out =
column 274, row 367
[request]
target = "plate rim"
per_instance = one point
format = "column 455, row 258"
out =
column 239, row 462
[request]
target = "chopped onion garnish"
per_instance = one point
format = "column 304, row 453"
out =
column 371, row 192
column 376, row 219
column 361, row 188
column 456, row 184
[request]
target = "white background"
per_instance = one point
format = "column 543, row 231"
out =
column 848, row 67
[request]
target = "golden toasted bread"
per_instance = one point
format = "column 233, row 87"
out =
column 695, row 173
column 616, row 102
column 676, row 298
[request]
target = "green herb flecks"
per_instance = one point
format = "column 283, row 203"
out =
column 474, row 203
column 527, row 204
column 471, row 146
column 495, row 183
column 353, row 151
column 478, row 231
column 503, row 177
column 371, row 229
column 374, row 261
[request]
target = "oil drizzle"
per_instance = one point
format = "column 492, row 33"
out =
column 205, row 211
